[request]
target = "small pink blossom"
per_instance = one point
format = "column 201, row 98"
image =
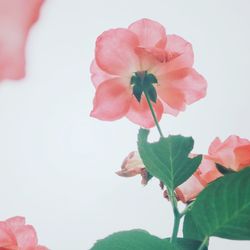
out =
column 233, row 153
column 15, row 235
column 141, row 50
column 16, row 19
column 133, row 165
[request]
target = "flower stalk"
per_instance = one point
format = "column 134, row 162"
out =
column 171, row 194
column 153, row 114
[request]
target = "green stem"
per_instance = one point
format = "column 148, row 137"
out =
column 171, row 193
column 204, row 243
column 177, row 216
column 153, row 114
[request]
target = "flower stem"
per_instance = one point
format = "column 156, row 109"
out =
column 177, row 216
column 171, row 193
column 153, row 114
column 204, row 243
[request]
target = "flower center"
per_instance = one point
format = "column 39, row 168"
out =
column 143, row 82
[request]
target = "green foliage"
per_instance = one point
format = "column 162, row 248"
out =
column 223, row 208
column 168, row 158
column 190, row 229
column 187, row 244
column 132, row 240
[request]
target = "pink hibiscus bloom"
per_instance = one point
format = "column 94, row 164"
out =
column 16, row 19
column 233, row 153
column 15, row 235
column 143, row 59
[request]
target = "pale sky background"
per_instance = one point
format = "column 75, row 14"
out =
column 57, row 164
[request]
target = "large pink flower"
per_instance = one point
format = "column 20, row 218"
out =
column 233, row 153
column 16, row 19
column 128, row 61
column 15, row 235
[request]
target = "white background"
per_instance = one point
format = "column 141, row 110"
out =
column 57, row 164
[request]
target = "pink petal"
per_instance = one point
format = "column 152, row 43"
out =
column 242, row 155
column 112, row 100
column 132, row 165
column 41, row 248
column 15, row 223
column 140, row 113
column 214, row 146
column 208, row 171
column 26, row 237
column 147, row 57
column 129, row 172
column 189, row 190
column 169, row 110
column 149, row 33
column 226, row 153
column 7, row 238
column 98, row 75
column 115, row 52
column 16, row 19
column 180, row 53
column 181, row 87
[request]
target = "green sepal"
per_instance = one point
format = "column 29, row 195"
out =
column 152, row 93
column 223, row 170
column 137, row 92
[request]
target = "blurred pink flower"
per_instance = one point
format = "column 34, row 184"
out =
column 16, row 19
column 15, row 235
column 133, row 165
column 233, row 153
column 125, row 56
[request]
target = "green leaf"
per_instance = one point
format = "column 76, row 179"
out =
column 223, row 208
column 132, row 240
column 168, row 158
column 190, row 229
column 187, row 244
column 223, row 170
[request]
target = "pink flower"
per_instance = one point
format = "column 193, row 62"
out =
column 142, row 58
column 206, row 173
column 15, row 235
column 187, row 191
column 133, row 165
column 233, row 153
column 16, row 19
